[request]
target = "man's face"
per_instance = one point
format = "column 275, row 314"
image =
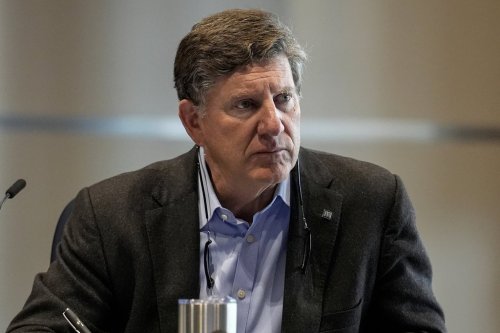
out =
column 250, row 126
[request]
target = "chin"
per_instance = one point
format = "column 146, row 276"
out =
column 272, row 176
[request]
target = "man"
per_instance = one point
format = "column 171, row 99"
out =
column 305, row 241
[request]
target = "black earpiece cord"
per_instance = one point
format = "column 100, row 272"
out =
column 308, row 237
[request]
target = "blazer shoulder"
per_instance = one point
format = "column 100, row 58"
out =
column 360, row 183
column 151, row 181
column 346, row 175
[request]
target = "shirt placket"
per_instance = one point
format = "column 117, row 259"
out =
column 245, row 274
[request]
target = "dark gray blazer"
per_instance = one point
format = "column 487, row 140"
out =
column 131, row 250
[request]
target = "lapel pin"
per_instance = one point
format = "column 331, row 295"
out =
column 327, row 214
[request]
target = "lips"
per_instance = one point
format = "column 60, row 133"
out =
column 271, row 151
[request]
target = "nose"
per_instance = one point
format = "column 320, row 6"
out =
column 270, row 122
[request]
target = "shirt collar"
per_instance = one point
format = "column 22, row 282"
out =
column 208, row 196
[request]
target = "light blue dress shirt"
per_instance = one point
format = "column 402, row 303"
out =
column 247, row 261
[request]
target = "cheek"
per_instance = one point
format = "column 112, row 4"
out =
column 293, row 127
column 228, row 147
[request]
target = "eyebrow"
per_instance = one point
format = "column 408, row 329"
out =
column 249, row 93
column 288, row 90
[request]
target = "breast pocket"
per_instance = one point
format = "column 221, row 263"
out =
column 345, row 321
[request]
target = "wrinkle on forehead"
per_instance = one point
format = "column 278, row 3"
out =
column 278, row 65
column 275, row 72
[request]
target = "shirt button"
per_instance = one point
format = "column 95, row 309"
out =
column 223, row 217
column 241, row 294
column 250, row 238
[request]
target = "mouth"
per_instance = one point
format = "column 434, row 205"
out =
column 271, row 151
column 272, row 155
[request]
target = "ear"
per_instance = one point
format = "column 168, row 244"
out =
column 190, row 118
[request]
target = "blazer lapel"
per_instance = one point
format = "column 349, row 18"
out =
column 303, row 295
column 174, row 238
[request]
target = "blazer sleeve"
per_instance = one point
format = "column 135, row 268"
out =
column 403, row 300
column 77, row 279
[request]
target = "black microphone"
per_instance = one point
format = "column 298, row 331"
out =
column 13, row 190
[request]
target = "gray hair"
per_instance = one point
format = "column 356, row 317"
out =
column 223, row 42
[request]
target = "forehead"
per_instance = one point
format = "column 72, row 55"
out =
column 273, row 74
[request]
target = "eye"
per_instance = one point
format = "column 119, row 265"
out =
column 287, row 96
column 284, row 101
column 283, row 97
column 244, row 104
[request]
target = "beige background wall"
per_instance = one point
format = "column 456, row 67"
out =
column 86, row 92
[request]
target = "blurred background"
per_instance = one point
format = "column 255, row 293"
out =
column 86, row 92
